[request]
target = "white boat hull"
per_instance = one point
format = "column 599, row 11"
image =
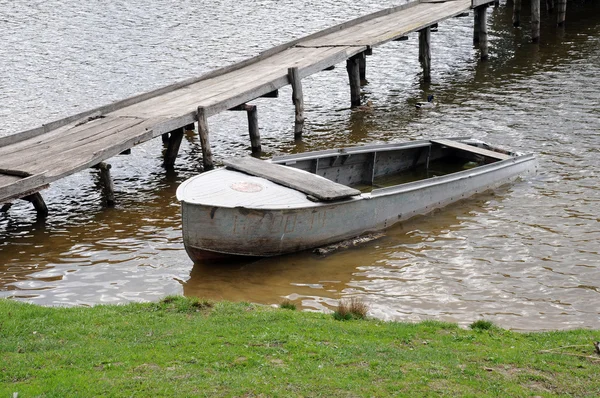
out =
column 297, row 224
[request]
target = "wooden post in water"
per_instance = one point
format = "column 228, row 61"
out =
column 483, row 36
column 425, row 52
column 207, row 160
column 550, row 6
column 165, row 138
column 38, row 203
column 107, row 183
column 562, row 12
column 475, row 27
column 516, row 13
column 252, row 113
column 175, row 137
column 535, row 21
column 353, row 69
column 298, row 100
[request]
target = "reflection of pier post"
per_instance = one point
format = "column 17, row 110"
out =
column 425, row 52
column 516, row 13
column 562, row 12
column 535, row 21
column 207, row 160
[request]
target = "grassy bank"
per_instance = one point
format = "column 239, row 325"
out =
column 185, row 347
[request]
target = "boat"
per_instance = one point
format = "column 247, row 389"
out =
column 262, row 208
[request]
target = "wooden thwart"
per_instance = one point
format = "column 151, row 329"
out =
column 310, row 184
column 472, row 149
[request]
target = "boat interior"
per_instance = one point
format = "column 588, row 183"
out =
column 375, row 166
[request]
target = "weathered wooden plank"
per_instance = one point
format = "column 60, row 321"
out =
column 76, row 136
column 80, row 158
column 310, row 184
column 469, row 148
column 17, row 188
column 377, row 32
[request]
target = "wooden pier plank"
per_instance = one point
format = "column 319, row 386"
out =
column 389, row 27
column 74, row 143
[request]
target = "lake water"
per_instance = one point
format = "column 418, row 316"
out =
column 526, row 256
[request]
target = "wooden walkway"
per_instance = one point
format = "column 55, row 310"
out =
column 31, row 160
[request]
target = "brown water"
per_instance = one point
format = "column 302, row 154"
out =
column 524, row 256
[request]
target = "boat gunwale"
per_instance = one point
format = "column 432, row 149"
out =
column 381, row 192
column 452, row 177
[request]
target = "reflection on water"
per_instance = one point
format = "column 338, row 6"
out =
column 525, row 256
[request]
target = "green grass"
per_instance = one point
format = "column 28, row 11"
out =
column 188, row 347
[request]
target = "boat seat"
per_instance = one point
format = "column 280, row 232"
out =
column 473, row 149
column 313, row 185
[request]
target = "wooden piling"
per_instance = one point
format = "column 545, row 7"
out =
column 107, row 183
column 475, row 27
column 165, row 138
column 483, row 36
column 516, row 18
column 362, row 68
column 550, row 6
column 562, row 12
column 207, row 160
column 298, row 100
column 173, row 145
column 425, row 52
column 353, row 69
column 38, row 203
column 535, row 21
column 252, row 114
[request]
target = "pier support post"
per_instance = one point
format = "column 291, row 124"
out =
column 207, row 160
column 535, row 21
column 252, row 113
column 298, row 100
column 353, row 69
column 165, row 138
column 483, row 36
column 175, row 138
column 475, row 27
column 425, row 52
column 516, row 18
column 38, row 203
column 550, row 6
column 107, row 184
column 562, row 12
